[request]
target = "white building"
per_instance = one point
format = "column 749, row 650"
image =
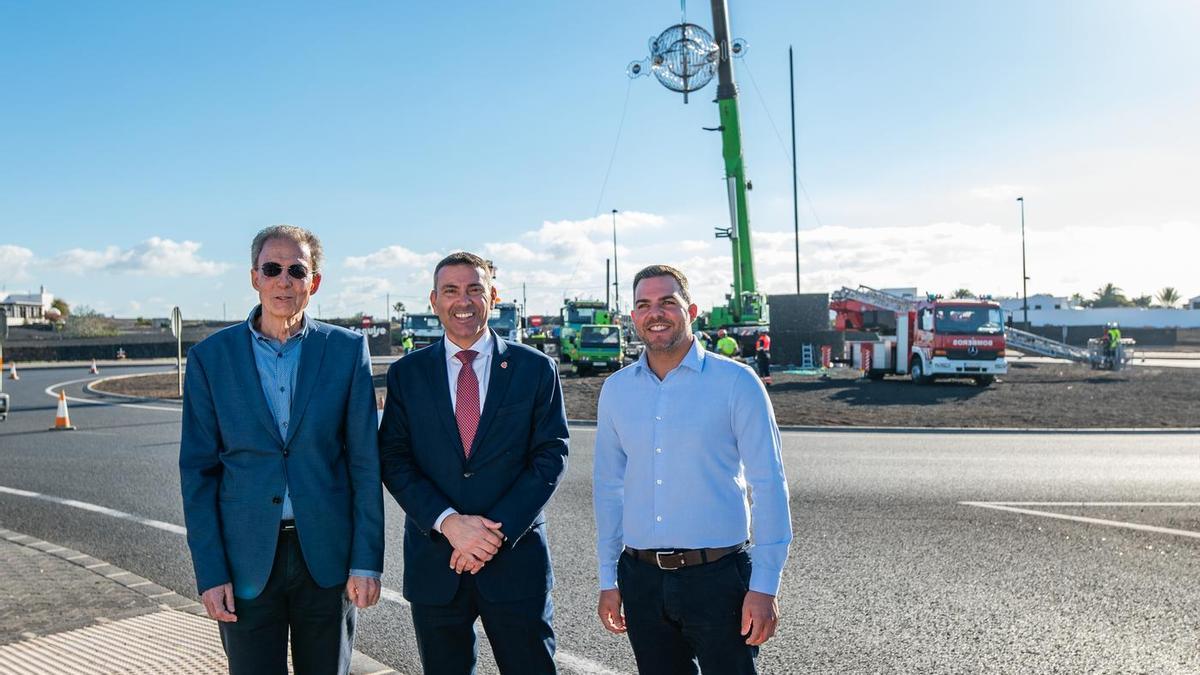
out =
column 1038, row 301
column 1194, row 303
column 26, row 308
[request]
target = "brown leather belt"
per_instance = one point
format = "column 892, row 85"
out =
column 683, row 557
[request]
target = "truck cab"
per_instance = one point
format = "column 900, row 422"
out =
column 599, row 346
column 424, row 328
column 957, row 338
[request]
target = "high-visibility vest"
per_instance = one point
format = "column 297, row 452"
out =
column 727, row 346
column 764, row 343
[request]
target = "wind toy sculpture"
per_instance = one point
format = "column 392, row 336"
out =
column 684, row 58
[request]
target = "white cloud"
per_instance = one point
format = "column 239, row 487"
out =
column 997, row 193
column 153, row 257
column 14, row 263
column 350, row 295
column 394, row 257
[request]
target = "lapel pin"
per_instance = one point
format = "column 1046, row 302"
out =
column 504, row 364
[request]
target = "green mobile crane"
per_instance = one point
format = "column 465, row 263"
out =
column 684, row 58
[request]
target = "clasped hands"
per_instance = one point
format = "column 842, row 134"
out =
column 475, row 540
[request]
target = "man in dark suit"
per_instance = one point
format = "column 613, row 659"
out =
column 279, row 466
column 473, row 444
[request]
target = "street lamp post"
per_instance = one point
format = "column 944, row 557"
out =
column 1024, row 274
column 616, row 279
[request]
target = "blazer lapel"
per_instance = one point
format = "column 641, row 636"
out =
column 312, row 352
column 245, row 373
column 498, row 381
column 439, row 385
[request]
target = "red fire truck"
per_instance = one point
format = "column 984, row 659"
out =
column 931, row 338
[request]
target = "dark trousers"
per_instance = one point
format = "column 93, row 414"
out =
column 519, row 632
column 687, row 620
column 763, row 360
column 321, row 621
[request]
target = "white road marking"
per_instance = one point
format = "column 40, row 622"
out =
column 50, row 391
column 574, row 662
column 1010, row 507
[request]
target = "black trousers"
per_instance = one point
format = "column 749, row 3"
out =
column 687, row 620
column 763, row 360
column 321, row 622
column 520, row 633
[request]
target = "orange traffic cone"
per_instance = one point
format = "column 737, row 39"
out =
column 94, row 369
column 12, row 371
column 62, row 421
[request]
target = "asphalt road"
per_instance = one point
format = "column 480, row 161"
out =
column 891, row 571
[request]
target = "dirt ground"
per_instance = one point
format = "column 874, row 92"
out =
column 1031, row 395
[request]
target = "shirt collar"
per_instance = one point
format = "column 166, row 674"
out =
column 482, row 346
column 693, row 360
column 258, row 335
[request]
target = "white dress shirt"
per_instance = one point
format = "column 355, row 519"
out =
column 483, row 369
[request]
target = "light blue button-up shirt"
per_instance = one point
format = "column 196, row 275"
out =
column 278, row 364
column 674, row 458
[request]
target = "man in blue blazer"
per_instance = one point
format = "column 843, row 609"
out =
column 279, row 467
column 473, row 444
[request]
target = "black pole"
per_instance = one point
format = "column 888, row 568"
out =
column 795, row 179
column 726, row 88
column 607, row 283
column 1024, row 274
column 616, row 279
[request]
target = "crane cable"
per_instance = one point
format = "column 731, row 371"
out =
column 607, row 172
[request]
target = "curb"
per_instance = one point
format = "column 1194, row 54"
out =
column 955, row 430
column 90, row 388
column 165, row 598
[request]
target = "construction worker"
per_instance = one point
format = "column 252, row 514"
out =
column 726, row 345
column 407, row 343
column 1114, row 345
column 705, row 341
column 762, row 357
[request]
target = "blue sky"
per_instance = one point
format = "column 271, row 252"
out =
column 144, row 144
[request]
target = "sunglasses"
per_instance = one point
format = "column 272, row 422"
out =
column 273, row 269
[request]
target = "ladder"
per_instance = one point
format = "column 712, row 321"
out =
column 1031, row 342
column 869, row 296
column 806, row 357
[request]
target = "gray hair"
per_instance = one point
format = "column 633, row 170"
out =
column 297, row 234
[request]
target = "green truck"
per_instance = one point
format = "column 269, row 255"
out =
column 591, row 338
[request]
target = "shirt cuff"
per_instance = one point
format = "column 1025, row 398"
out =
column 370, row 574
column 437, row 524
column 763, row 580
column 608, row 577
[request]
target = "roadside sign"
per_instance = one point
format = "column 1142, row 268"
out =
column 177, row 331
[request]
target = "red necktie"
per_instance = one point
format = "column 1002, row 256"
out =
column 466, row 408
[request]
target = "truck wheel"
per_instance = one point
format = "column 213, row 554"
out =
column 985, row 380
column 917, row 369
column 582, row 370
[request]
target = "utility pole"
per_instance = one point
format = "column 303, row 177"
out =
column 795, row 178
column 1024, row 274
column 608, row 283
column 616, row 279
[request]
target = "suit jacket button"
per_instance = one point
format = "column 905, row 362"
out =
column 285, row 453
column 276, row 500
column 468, row 474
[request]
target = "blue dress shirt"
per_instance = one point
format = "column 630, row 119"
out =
column 278, row 364
column 674, row 458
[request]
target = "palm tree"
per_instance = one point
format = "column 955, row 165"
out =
column 962, row 293
column 1142, row 301
column 1109, row 295
column 1168, row 297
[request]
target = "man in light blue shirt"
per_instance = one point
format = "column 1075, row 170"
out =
column 681, row 434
